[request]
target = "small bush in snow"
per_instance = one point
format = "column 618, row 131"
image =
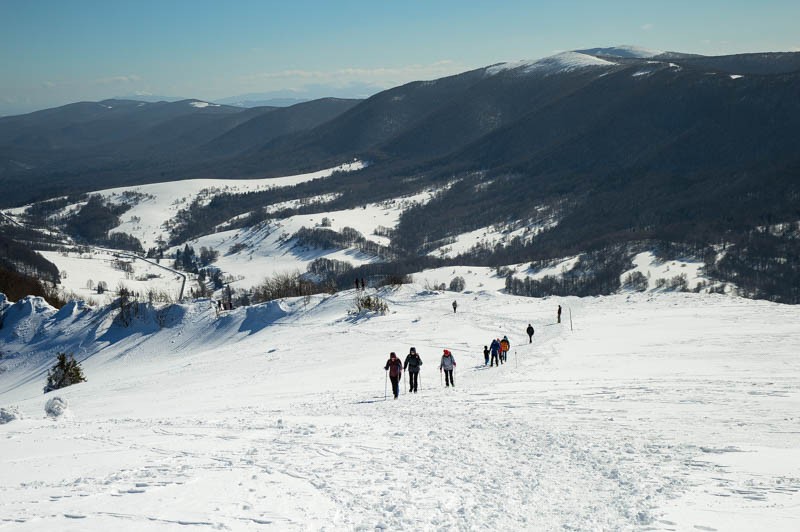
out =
column 457, row 284
column 372, row 304
column 55, row 406
column 66, row 372
column 7, row 415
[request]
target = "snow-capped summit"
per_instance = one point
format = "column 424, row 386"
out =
column 625, row 51
column 200, row 104
column 563, row 62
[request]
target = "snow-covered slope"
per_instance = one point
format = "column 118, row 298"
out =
column 563, row 62
column 155, row 204
column 626, row 51
column 674, row 412
column 251, row 254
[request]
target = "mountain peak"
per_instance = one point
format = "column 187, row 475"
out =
column 562, row 62
column 624, row 51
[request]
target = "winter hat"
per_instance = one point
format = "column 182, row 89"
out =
column 413, row 350
column 392, row 355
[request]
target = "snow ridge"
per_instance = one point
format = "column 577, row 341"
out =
column 559, row 63
column 624, row 51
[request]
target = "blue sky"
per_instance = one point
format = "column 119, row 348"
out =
column 54, row 52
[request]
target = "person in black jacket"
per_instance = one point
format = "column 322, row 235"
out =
column 529, row 330
column 485, row 355
column 395, row 368
column 412, row 364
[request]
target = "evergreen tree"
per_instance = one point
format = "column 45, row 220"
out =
column 66, row 372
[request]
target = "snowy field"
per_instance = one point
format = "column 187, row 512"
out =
column 158, row 203
column 650, row 412
column 81, row 272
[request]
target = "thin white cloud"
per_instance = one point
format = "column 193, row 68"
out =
column 379, row 75
column 130, row 78
column 647, row 27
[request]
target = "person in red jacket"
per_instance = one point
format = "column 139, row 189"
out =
column 395, row 369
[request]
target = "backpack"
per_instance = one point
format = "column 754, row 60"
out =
column 504, row 345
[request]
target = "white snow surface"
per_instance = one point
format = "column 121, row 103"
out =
column 81, row 271
column 563, row 62
column 491, row 235
column 267, row 249
column 640, row 411
column 200, row 104
column 145, row 220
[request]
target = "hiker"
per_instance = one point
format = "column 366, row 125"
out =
column 448, row 364
column 412, row 364
column 505, row 345
column 395, row 368
column 495, row 349
column 559, row 314
column 485, row 355
column 363, row 284
column 454, row 307
column 356, row 283
column 529, row 330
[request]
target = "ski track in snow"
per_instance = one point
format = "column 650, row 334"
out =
column 629, row 422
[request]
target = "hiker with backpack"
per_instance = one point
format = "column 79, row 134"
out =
column 505, row 345
column 447, row 365
column 412, row 364
column 530, row 331
column 395, row 369
column 455, row 306
column 495, row 350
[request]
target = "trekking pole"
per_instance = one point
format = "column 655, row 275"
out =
column 440, row 377
column 385, row 385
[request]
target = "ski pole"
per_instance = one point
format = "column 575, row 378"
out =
column 385, row 385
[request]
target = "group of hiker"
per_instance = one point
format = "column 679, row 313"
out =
column 498, row 350
column 395, row 370
column 494, row 354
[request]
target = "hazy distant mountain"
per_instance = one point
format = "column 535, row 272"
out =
column 152, row 98
column 271, row 102
column 262, row 99
column 81, row 146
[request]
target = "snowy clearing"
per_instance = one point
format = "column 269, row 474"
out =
column 81, row 272
column 145, row 220
column 250, row 255
column 665, row 412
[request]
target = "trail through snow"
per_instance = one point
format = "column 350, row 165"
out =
column 672, row 412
